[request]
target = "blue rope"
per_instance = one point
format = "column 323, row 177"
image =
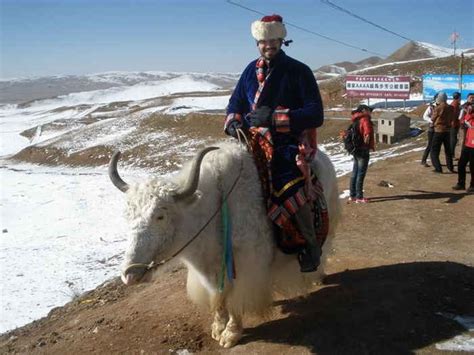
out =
column 227, row 265
column 229, row 256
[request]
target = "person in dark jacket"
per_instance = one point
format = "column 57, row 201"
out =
column 278, row 104
column 453, row 133
column 442, row 118
column 361, row 155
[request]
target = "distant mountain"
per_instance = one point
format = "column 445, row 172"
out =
column 341, row 68
column 418, row 50
column 14, row 91
column 126, row 86
column 410, row 51
column 413, row 59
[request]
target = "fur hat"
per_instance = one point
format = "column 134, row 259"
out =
column 269, row 27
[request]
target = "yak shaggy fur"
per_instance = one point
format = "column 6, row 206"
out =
column 161, row 225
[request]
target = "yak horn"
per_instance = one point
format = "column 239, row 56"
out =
column 114, row 175
column 191, row 185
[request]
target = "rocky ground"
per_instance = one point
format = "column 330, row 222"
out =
column 401, row 267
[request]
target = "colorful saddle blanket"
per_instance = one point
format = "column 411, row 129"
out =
column 287, row 184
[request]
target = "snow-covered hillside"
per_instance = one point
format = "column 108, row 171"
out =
column 22, row 90
column 173, row 93
column 67, row 223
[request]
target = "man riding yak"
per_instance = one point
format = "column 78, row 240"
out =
column 278, row 105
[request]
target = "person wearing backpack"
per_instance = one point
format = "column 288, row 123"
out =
column 361, row 117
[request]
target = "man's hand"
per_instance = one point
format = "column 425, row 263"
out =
column 232, row 128
column 261, row 117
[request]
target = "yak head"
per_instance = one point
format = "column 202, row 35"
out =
column 154, row 209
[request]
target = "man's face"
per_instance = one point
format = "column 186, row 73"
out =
column 269, row 48
column 470, row 99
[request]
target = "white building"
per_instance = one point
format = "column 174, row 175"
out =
column 392, row 127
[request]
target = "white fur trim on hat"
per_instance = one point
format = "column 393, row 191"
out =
column 268, row 30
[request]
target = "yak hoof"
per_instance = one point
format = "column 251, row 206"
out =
column 230, row 338
column 217, row 329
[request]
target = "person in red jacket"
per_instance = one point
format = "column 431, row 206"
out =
column 453, row 134
column 467, row 152
column 361, row 155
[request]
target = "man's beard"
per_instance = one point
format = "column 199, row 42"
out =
column 270, row 52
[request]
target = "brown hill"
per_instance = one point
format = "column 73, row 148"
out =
column 410, row 51
column 370, row 61
column 333, row 90
column 341, row 68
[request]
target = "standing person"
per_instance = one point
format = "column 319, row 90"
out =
column 453, row 134
column 464, row 109
column 361, row 155
column 442, row 119
column 427, row 117
column 467, row 151
column 277, row 102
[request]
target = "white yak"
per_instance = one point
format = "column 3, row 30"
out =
column 166, row 213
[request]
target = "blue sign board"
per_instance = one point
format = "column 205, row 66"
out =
column 448, row 83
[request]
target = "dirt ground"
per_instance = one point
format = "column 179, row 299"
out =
column 398, row 262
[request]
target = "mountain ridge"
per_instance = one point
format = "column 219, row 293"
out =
column 408, row 52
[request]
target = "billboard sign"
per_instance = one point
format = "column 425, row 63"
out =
column 448, row 83
column 378, row 86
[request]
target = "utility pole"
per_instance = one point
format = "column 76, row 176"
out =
column 454, row 37
column 461, row 69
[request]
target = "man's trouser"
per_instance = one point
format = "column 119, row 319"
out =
column 453, row 140
column 428, row 145
column 467, row 156
column 310, row 259
column 439, row 139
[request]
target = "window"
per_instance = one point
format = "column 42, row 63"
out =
column 389, row 123
column 383, row 121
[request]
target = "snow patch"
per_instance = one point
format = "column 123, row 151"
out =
column 136, row 92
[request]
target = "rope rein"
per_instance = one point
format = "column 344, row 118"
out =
column 241, row 136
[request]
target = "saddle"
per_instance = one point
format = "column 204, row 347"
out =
column 284, row 193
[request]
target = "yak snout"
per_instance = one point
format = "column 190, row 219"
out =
column 135, row 275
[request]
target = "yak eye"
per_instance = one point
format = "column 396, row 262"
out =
column 160, row 218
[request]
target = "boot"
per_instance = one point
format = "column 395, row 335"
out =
column 310, row 257
column 459, row 186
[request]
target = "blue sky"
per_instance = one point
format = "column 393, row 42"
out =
column 48, row 37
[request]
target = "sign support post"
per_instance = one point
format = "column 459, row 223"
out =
column 461, row 72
